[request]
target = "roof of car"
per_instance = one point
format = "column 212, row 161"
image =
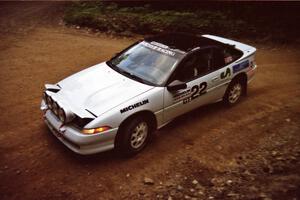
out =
column 182, row 41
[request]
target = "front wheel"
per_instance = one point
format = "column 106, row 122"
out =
column 134, row 136
column 234, row 93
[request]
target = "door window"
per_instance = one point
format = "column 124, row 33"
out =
column 218, row 60
column 205, row 61
column 197, row 64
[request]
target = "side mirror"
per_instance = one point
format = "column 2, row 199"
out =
column 176, row 85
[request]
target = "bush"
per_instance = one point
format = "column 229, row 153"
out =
column 230, row 21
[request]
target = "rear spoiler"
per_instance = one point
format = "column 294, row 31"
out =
column 238, row 45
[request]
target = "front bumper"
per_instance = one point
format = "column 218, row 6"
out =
column 78, row 142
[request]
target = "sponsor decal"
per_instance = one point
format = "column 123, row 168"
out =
column 133, row 106
column 190, row 94
column 157, row 48
column 196, row 91
column 181, row 95
column 240, row 66
column 225, row 74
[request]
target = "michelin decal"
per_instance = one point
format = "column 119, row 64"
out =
column 134, row 106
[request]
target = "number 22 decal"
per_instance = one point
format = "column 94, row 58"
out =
column 197, row 91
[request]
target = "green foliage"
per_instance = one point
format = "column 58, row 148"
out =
column 111, row 17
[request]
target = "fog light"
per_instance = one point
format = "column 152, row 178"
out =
column 61, row 115
column 45, row 97
column 96, row 130
column 49, row 102
column 55, row 108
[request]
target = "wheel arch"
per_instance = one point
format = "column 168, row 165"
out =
column 150, row 116
column 244, row 79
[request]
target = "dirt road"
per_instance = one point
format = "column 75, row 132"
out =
column 211, row 144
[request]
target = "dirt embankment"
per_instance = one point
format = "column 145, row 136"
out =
column 250, row 151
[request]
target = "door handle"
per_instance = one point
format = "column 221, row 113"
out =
column 215, row 78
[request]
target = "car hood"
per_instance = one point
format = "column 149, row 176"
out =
column 98, row 89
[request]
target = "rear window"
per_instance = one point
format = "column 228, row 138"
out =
column 231, row 54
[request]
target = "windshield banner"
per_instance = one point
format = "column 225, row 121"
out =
column 156, row 48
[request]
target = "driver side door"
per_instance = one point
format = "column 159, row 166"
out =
column 200, row 77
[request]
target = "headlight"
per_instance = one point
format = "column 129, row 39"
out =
column 45, row 97
column 61, row 115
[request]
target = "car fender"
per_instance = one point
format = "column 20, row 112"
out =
column 151, row 101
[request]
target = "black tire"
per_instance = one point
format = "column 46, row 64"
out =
column 125, row 140
column 234, row 92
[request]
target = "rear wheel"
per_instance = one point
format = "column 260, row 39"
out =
column 234, row 92
column 134, row 136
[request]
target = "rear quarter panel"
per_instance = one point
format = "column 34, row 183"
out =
column 246, row 63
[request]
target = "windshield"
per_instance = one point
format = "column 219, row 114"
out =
column 147, row 62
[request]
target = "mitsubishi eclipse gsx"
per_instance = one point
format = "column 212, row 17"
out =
column 120, row 102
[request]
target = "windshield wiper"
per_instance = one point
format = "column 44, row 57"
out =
column 132, row 75
column 126, row 73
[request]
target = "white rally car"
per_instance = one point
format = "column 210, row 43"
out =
column 119, row 103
